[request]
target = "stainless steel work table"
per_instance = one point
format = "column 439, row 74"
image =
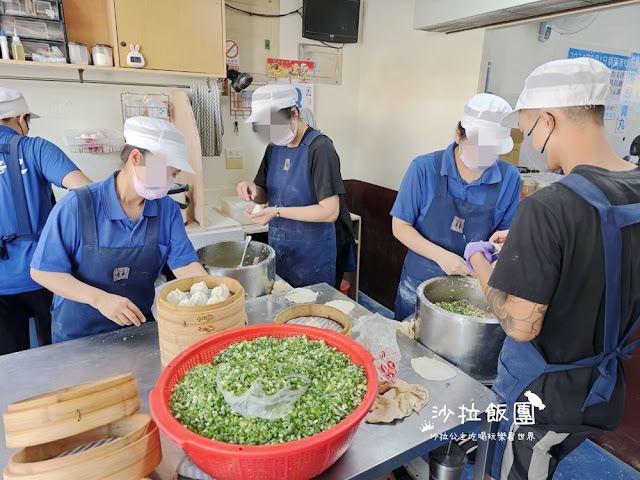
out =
column 376, row 449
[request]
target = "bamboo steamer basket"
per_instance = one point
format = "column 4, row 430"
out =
column 40, row 459
column 133, row 456
column 70, row 411
column 316, row 310
column 180, row 327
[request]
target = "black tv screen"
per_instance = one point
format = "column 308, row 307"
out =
column 331, row 20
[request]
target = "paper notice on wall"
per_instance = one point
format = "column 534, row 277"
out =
column 630, row 95
column 305, row 95
column 618, row 65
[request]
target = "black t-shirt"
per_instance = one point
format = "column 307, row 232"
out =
column 324, row 166
column 554, row 256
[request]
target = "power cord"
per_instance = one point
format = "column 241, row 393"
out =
column 264, row 15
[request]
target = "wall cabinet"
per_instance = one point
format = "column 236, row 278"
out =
column 174, row 36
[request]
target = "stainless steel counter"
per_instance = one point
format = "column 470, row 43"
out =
column 376, row 449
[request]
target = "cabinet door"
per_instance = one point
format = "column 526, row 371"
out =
column 176, row 35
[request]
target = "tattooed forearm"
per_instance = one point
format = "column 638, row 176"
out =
column 520, row 319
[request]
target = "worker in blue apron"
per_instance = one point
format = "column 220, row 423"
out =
column 452, row 197
column 28, row 168
column 300, row 179
column 553, row 304
column 104, row 245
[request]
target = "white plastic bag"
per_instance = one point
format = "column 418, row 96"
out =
column 255, row 403
column 378, row 335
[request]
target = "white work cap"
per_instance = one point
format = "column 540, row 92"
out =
column 574, row 82
column 13, row 104
column 481, row 120
column 271, row 98
column 160, row 137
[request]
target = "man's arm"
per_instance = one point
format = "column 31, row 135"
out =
column 519, row 318
column 75, row 179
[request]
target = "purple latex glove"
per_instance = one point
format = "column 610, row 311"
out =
column 486, row 248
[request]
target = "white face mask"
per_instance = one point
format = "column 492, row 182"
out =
column 282, row 135
column 152, row 193
column 477, row 158
column 532, row 158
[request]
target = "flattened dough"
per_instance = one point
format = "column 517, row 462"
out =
column 301, row 295
column 257, row 209
column 279, row 287
column 342, row 305
column 432, row 369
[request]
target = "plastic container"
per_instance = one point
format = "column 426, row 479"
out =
column 4, row 46
column 17, row 49
column 299, row 460
column 33, row 28
column 94, row 140
column 102, row 55
column 46, row 9
column 43, row 51
column 234, row 207
column 15, row 7
column 78, row 53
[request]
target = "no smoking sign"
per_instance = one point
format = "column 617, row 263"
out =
column 233, row 54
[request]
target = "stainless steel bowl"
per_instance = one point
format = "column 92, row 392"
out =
column 470, row 343
column 258, row 271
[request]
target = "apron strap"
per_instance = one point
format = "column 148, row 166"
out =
column 625, row 215
column 153, row 227
column 493, row 191
column 307, row 140
column 87, row 217
column 612, row 219
column 17, row 187
column 442, row 181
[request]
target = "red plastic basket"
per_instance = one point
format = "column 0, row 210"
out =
column 299, row 460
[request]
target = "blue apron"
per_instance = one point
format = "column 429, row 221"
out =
column 127, row 271
column 305, row 251
column 25, row 232
column 520, row 364
column 450, row 223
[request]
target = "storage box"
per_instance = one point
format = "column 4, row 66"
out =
column 514, row 155
column 32, row 28
column 14, row 7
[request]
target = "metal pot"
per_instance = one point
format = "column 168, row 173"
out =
column 258, row 271
column 472, row 344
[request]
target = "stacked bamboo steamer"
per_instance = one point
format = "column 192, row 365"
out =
column 85, row 432
column 181, row 327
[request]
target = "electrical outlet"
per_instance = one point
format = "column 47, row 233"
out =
column 234, row 163
column 234, row 153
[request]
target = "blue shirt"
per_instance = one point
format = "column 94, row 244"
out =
column 419, row 186
column 60, row 246
column 42, row 164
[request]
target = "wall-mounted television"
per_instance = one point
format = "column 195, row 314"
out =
column 331, row 20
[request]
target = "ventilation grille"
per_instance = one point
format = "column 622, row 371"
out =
column 523, row 12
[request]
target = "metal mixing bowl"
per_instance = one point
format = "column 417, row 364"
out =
column 472, row 344
column 258, row 271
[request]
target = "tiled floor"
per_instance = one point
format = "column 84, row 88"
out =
column 587, row 462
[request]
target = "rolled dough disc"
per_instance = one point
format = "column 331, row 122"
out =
column 432, row 369
column 257, row 209
column 301, row 295
column 279, row 287
column 342, row 305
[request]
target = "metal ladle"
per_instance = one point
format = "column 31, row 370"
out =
column 246, row 245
